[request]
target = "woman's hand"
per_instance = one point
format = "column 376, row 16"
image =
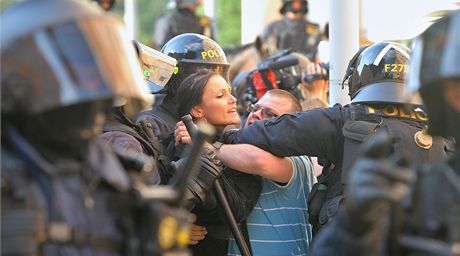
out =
column 197, row 233
column 181, row 134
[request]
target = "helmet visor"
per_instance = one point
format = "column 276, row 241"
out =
column 68, row 63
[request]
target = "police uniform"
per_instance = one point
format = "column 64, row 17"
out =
column 63, row 209
column 180, row 22
column 299, row 35
column 63, row 194
column 409, row 208
column 428, row 223
column 335, row 133
column 120, row 132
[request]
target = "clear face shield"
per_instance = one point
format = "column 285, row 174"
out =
column 72, row 62
column 157, row 67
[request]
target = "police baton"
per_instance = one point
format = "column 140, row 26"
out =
column 244, row 249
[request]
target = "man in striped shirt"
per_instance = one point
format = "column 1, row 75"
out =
column 278, row 224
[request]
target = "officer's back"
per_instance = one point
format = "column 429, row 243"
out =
column 180, row 21
column 294, row 31
column 376, row 78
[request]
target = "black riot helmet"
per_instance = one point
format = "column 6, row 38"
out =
column 63, row 65
column 289, row 5
column 377, row 74
column 435, row 74
column 194, row 52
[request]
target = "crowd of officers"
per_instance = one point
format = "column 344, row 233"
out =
column 88, row 167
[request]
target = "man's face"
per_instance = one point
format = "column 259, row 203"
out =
column 267, row 107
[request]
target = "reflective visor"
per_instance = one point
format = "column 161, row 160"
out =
column 71, row 62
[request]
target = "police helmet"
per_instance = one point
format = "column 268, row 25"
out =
column 194, row 52
column 157, row 68
column 59, row 54
column 377, row 74
column 289, row 5
column 435, row 66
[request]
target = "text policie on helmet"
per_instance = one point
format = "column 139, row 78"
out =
column 192, row 53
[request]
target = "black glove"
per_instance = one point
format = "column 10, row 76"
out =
column 198, row 187
column 378, row 182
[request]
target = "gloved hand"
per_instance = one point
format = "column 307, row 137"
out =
column 198, row 187
column 378, row 181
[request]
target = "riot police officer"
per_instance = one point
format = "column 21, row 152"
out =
column 61, row 191
column 294, row 31
column 182, row 20
column 192, row 52
column 121, row 132
column 394, row 208
column 376, row 76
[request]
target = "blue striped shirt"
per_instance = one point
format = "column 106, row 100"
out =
column 278, row 224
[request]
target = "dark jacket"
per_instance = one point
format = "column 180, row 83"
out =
column 335, row 134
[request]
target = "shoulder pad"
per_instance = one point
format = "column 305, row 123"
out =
column 312, row 28
column 205, row 21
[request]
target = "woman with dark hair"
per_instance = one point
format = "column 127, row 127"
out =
column 206, row 96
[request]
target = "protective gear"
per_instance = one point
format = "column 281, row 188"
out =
column 377, row 73
column 157, row 67
column 198, row 190
column 371, row 188
column 388, row 213
column 193, row 52
column 299, row 35
column 63, row 63
column 179, row 22
column 439, row 64
column 53, row 54
column 329, row 132
column 288, row 5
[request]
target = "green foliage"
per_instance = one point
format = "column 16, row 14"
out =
column 228, row 22
column 228, row 18
column 148, row 12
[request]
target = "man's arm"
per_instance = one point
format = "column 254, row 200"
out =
column 316, row 132
column 253, row 160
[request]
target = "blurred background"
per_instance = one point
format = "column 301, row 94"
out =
column 240, row 21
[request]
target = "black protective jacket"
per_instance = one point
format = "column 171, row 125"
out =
column 335, row 134
column 429, row 223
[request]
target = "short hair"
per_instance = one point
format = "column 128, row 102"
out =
column 295, row 104
column 190, row 91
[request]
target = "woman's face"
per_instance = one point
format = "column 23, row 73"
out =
column 218, row 106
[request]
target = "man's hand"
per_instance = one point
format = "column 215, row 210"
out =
column 181, row 134
column 315, row 81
